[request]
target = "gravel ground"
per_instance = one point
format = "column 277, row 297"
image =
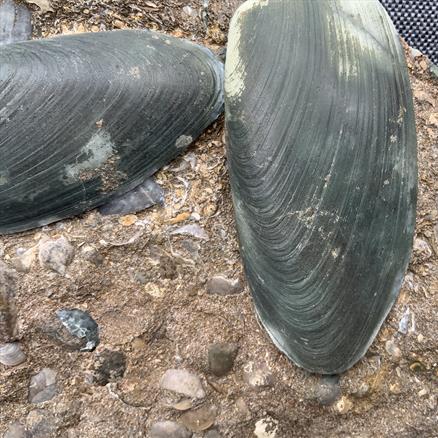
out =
column 149, row 290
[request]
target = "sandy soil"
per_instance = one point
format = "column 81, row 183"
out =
column 147, row 291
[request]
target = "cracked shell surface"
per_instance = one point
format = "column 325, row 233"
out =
column 322, row 153
column 86, row 117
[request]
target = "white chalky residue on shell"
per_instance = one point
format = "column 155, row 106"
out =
column 234, row 68
column 4, row 177
column 266, row 428
column 356, row 17
column 135, row 72
column 183, row 141
column 97, row 151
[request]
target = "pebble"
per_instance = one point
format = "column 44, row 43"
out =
column 168, row 429
column 145, row 195
column 139, row 277
column 328, row 390
column 56, row 254
column 24, row 259
column 423, row 392
column 109, row 366
column 392, row 349
column 432, row 402
column 42, row 424
column 407, row 322
column 242, row 409
column 11, row 354
column 43, row 386
column 16, row 430
column 266, row 428
column 221, row 358
column 180, row 218
column 422, row 248
column 128, row 220
column 183, row 382
column 221, row 285
column 363, row 390
column 395, row 388
column 257, row 375
column 92, row 255
column 183, row 405
column 7, row 307
column 190, row 11
column 417, row 367
column 81, row 326
column 199, row 420
column 213, row 433
column 344, row 405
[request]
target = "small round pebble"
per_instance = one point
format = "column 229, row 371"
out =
column 344, row 405
column 221, row 358
column 56, row 254
column 266, row 428
column 327, row 390
column 16, row 430
column 392, row 349
column 221, row 285
column 212, row 434
column 168, row 429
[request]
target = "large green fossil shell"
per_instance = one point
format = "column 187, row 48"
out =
column 322, row 155
column 86, row 117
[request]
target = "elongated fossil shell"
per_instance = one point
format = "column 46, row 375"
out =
column 322, row 155
column 15, row 22
column 85, row 117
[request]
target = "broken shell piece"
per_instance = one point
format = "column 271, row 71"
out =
column 98, row 113
column 183, row 405
column 146, row 195
column 192, row 230
column 11, row 354
column 322, row 157
column 200, row 419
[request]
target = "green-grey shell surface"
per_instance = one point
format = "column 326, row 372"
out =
column 322, row 155
column 86, row 117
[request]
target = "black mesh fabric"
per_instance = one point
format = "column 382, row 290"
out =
column 417, row 23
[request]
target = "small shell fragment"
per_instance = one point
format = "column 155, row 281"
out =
column 11, row 354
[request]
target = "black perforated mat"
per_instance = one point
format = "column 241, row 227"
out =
column 417, row 23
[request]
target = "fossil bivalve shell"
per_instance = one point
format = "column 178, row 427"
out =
column 322, row 156
column 86, row 117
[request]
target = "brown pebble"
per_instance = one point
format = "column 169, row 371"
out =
column 180, row 218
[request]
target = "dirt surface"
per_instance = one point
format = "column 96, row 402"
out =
column 146, row 289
